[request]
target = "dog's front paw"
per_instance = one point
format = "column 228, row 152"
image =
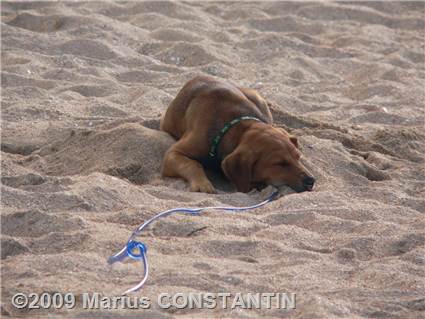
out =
column 204, row 187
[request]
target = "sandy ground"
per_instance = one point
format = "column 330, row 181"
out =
column 83, row 88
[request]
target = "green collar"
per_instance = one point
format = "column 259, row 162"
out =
column 217, row 139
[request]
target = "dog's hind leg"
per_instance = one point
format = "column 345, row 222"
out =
column 259, row 101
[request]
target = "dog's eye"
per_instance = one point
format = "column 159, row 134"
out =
column 284, row 163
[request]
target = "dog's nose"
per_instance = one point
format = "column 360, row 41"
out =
column 308, row 182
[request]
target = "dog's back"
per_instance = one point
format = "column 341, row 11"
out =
column 210, row 102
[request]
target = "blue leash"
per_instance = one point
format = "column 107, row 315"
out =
column 137, row 250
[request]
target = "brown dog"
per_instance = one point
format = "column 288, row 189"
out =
column 218, row 123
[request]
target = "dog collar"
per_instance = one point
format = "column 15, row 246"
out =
column 217, row 139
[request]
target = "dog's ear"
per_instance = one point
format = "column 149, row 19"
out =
column 237, row 166
column 294, row 140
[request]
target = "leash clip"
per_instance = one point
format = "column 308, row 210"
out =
column 136, row 245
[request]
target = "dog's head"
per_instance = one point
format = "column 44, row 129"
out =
column 268, row 155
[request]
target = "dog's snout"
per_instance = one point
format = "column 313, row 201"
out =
column 308, row 182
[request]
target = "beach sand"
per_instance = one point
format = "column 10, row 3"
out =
column 84, row 85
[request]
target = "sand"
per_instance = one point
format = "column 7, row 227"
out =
column 84, row 85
